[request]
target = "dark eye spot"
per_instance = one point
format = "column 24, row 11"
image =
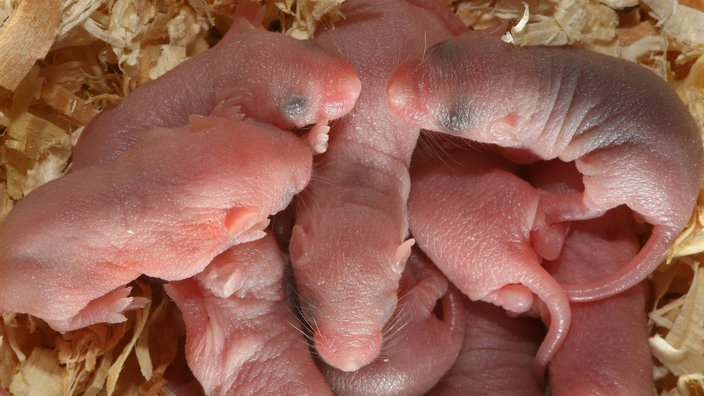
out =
column 444, row 51
column 295, row 108
column 454, row 119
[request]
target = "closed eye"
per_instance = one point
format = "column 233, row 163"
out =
column 454, row 118
column 295, row 108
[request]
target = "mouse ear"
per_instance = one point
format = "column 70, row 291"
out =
column 248, row 16
column 401, row 256
column 239, row 26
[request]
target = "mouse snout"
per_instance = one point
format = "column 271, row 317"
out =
column 347, row 351
column 340, row 90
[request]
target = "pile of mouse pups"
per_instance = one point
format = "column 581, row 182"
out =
column 502, row 250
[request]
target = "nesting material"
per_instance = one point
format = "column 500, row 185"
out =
column 64, row 61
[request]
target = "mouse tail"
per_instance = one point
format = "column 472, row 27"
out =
column 640, row 266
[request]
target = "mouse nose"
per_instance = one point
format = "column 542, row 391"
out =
column 341, row 91
column 347, row 352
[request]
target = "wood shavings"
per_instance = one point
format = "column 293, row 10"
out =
column 35, row 151
column 586, row 21
column 683, row 24
column 679, row 341
column 619, row 4
column 90, row 361
column 75, row 13
column 691, row 241
column 65, row 102
column 691, row 90
column 580, row 21
column 25, row 38
column 141, row 321
column 307, row 14
column 489, row 14
column 40, row 374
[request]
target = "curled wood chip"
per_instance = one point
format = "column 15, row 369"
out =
column 678, row 343
column 25, row 38
column 139, row 325
column 307, row 14
column 584, row 22
column 75, row 13
column 36, row 151
column 6, row 203
column 682, row 23
column 38, row 375
column 619, row 4
column 66, row 103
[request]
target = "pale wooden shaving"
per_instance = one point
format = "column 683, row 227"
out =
column 25, row 38
column 65, row 102
column 39, row 375
column 691, row 90
column 684, row 24
column 140, row 323
column 170, row 57
column 75, row 13
column 586, row 22
column 306, row 15
column 157, row 346
column 6, row 203
column 6, row 10
column 679, row 343
column 85, row 353
column 619, row 4
column 643, row 47
column 35, row 152
column 489, row 14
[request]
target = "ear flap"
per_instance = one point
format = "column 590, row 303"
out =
column 248, row 16
column 299, row 242
column 401, row 256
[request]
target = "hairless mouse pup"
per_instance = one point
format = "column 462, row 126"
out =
column 268, row 75
column 425, row 337
column 187, row 191
column 476, row 220
column 160, row 191
column 348, row 247
column 239, row 333
column 69, row 247
column 626, row 131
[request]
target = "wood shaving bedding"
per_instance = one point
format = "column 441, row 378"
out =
column 86, row 55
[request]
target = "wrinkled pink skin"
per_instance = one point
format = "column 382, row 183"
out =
column 240, row 337
column 477, row 221
column 422, row 344
column 608, row 341
column 476, row 245
column 134, row 212
column 496, row 357
column 147, row 212
column 267, row 74
column 158, row 106
column 626, row 131
column 348, row 276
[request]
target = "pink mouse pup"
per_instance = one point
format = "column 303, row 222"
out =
column 623, row 128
